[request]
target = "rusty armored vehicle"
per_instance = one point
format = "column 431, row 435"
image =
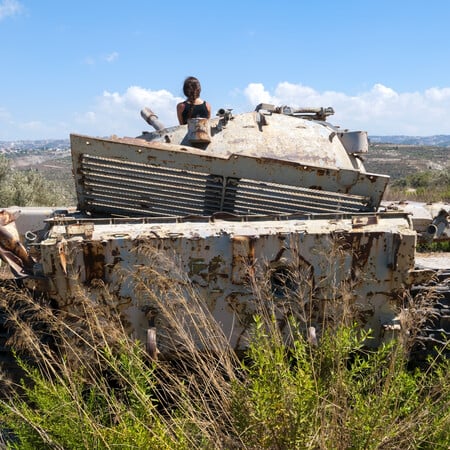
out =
column 257, row 194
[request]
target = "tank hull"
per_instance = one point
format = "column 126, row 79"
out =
column 365, row 260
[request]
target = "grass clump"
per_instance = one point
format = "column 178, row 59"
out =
column 434, row 246
column 89, row 385
column 339, row 396
column 426, row 186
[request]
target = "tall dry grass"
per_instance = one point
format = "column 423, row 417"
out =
column 299, row 384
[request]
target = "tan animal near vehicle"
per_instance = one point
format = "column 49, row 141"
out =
column 260, row 194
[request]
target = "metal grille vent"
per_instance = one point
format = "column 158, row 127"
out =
column 251, row 197
column 126, row 188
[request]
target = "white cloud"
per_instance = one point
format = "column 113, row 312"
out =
column 111, row 57
column 10, row 8
column 119, row 113
column 256, row 94
column 439, row 95
column 380, row 110
column 111, row 113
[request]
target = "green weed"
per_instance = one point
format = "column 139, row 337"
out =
column 89, row 385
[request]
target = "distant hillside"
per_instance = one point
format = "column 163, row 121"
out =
column 402, row 160
column 439, row 140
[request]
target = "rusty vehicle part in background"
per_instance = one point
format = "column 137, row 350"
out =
column 273, row 190
column 430, row 220
column 12, row 250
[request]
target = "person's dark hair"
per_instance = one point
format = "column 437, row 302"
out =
column 191, row 88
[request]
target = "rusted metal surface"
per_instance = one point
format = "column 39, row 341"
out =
column 199, row 131
column 136, row 178
column 31, row 220
column 354, row 141
column 377, row 260
column 7, row 216
column 152, row 119
column 271, row 161
column 275, row 136
column 13, row 252
column 430, row 220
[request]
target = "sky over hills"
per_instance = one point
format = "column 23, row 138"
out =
column 89, row 67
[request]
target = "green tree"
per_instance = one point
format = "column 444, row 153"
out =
column 29, row 188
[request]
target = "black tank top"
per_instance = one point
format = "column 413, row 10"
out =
column 194, row 111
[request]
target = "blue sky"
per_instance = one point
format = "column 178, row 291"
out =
column 90, row 66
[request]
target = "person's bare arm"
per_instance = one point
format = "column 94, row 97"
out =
column 180, row 109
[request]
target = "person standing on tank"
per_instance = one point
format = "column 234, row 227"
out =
column 193, row 106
